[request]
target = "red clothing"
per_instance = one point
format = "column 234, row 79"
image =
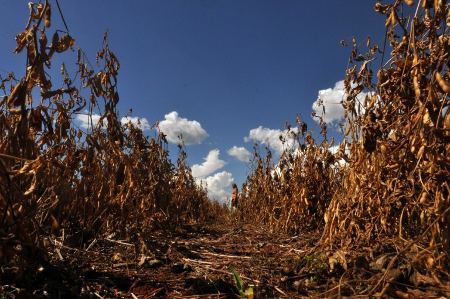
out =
column 234, row 197
column 234, row 194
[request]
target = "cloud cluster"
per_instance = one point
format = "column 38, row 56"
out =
column 210, row 164
column 330, row 101
column 216, row 185
column 240, row 153
column 270, row 138
column 174, row 126
column 85, row 121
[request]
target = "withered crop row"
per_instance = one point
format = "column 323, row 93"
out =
column 386, row 190
column 55, row 176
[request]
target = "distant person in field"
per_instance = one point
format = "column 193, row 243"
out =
column 234, row 197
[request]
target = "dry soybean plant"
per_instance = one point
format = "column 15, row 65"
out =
column 293, row 194
column 395, row 195
column 387, row 205
column 55, row 176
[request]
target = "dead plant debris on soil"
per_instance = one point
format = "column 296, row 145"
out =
column 193, row 262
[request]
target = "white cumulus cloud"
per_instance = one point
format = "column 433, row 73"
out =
column 85, row 121
column 240, row 153
column 218, row 184
column 330, row 100
column 270, row 138
column 140, row 122
column 174, row 126
column 329, row 103
column 210, row 164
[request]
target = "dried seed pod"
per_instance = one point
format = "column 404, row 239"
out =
column 416, row 87
column 445, row 86
column 383, row 222
column 430, row 261
column 437, row 5
column 15, row 110
column 448, row 18
column 392, row 19
column 18, row 94
column 426, row 119
column 383, row 149
column 427, row 4
column 424, row 197
column 32, row 188
column 447, row 121
column 422, row 217
column 47, row 16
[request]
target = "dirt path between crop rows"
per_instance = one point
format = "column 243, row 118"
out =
column 196, row 262
column 192, row 262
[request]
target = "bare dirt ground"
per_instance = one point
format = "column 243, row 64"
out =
column 196, row 262
column 192, row 262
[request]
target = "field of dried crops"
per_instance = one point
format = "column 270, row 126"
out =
column 374, row 217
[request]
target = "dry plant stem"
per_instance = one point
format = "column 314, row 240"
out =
column 280, row 291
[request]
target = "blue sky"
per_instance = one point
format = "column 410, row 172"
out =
column 215, row 69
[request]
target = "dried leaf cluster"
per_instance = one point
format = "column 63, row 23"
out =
column 55, row 178
column 293, row 194
column 390, row 199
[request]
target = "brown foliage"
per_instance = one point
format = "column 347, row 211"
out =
column 293, row 194
column 392, row 194
column 396, row 181
column 55, row 176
